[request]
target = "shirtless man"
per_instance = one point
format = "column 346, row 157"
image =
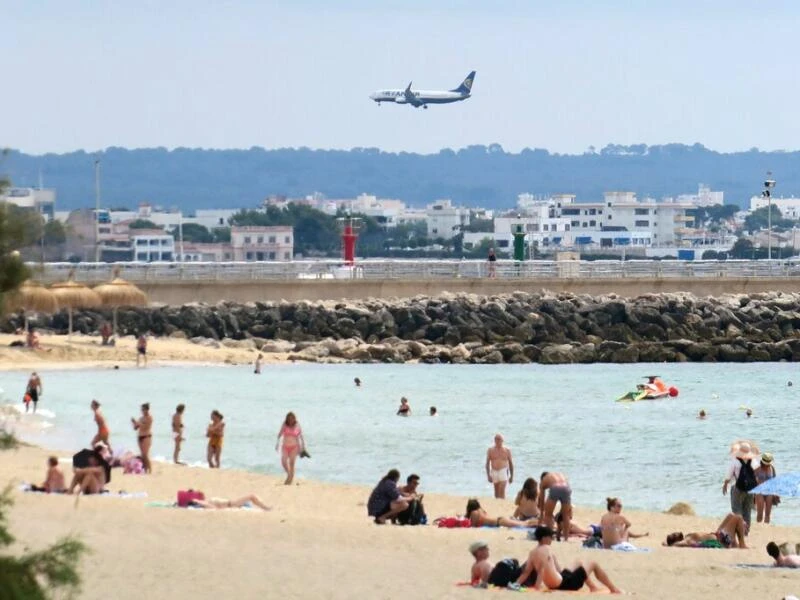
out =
column 729, row 534
column 499, row 466
column 102, row 429
column 34, row 390
column 616, row 529
column 554, row 488
column 481, row 568
column 791, row 561
column 177, row 432
column 144, row 428
column 53, row 480
column 550, row 576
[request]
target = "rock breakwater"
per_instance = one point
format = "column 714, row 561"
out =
column 521, row 327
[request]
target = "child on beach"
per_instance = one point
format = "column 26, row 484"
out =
column 177, row 432
column 215, row 434
column 257, row 370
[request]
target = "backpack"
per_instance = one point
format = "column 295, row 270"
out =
column 504, row 572
column 746, row 480
column 413, row 515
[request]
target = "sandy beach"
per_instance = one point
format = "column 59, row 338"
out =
column 84, row 351
column 318, row 543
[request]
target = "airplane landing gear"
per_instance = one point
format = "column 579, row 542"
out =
column 425, row 106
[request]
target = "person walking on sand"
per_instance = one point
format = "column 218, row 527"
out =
column 741, row 472
column 616, row 529
column 554, row 488
column 34, row 390
column 141, row 350
column 499, row 466
column 103, row 433
column 177, row 433
column 215, row 434
column 257, row 369
column 144, row 429
column 293, row 445
column 550, row 575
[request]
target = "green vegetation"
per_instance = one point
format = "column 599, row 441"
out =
column 143, row 224
column 14, row 235
column 8, row 440
column 38, row 575
column 759, row 219
column 198, row 234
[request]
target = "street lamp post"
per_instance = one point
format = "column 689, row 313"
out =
column 769, row 183
column 97, row 210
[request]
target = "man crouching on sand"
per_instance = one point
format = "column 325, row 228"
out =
column 550, row 576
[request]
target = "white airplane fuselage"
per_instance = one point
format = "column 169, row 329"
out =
column 421, row 96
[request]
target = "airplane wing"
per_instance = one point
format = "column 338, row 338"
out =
column 410, row 97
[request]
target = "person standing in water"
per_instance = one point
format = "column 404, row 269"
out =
column 102, row 429
column 257, row 369
column 293, row 445
column 177, row 433
column 141, row 349
column 499, row 466
column 144, row 428
column 405, row 408
column 34, row 390
column 215, row 434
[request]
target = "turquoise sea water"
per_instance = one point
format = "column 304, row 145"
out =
column 652, row 454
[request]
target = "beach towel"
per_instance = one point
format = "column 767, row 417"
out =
column 162, row 504
column 621, row 547
column 762, row 566
column 26, row 487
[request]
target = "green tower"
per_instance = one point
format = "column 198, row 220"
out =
column 518, row 230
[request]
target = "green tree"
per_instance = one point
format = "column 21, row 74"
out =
column 222, row 234
column 194, row 232
column 37, row 575
column 759, row 219
column 143, row 224
column 54, row 233
column 480, row 226
column 12, row 237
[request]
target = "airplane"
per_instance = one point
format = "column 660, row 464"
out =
column 424, row 97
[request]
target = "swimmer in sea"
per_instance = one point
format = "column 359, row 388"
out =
column 102, row 429
column 177, row 432
column 405, row 409
column 433, row 411
column 144, row 427
column 701, row 414
column 748, row 413
column 357, row 381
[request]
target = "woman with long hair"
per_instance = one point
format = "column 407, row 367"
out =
column 292, row 445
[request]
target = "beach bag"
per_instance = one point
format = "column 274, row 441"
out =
column 746, row 480
column 452, row 522
column 505, row 572
column 413, row 515
column 186, row 497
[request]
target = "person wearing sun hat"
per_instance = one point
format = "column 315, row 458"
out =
column 741, row 471
column 764, row 503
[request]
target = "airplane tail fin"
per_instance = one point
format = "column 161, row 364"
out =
column 466, row 85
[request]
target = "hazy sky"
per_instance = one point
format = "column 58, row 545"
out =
column 561, row 74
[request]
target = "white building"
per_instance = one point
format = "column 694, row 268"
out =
column 255, row 243
column 789, row 207
column 704, row 197
column 443, row 220
column 152, row 245
column 42, row 200
column 211, row 218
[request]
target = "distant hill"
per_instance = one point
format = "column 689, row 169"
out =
column 476, row 175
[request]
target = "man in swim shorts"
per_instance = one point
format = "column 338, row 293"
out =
column 141, row 350
column 499, row 466
column 554, row 488
column 789, row 561
column 34, row 390
column 550, row 576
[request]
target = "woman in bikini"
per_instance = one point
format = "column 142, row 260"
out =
column 480, row 518
column 102, row 428
column 293, row 444
column 527, row 507
column 225, row 503
column 215, row 434
column 405, row 409
column 144, row 428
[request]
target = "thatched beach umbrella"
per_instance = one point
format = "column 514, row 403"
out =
column 32, row 296
column 74, row 295
column 119, row 292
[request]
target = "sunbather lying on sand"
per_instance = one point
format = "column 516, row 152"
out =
column 791, row 561
column 480, row 518
column 729, row 534
column 225, row 503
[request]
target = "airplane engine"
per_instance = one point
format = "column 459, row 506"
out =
column 401, row 100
